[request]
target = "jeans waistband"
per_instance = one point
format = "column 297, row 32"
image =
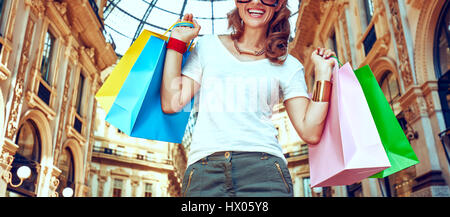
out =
column 228, row 155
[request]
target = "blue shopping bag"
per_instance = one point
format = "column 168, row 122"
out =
column 136, row 110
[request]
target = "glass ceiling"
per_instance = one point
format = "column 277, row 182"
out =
column 125, row 19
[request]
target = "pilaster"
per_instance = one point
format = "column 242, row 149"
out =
column 7, row 151
column 417, row 103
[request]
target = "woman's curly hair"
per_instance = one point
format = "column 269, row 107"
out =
column 277, row 34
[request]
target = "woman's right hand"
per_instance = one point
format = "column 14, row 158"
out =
column 185, row 33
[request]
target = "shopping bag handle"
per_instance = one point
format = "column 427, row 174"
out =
column 340, row 64
column 182, row 23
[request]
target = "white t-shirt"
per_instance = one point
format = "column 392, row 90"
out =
column 236, row 99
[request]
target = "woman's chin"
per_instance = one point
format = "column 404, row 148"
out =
column 255, row 24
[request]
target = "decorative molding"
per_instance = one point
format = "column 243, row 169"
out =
column 379, row 49
column 56, row 13
column 383, row 64
column 35, row 81
column 103, row 175
column 87, row 57
column 6, row 158
column 430, row 92
column 373, row 24
column 412, row 113
column 62, row 9
column 34, row 101
column 429, row 103
column 13, row 119
column 403, row 56
column 308, row 22
column 11, row 21
column 119, row 172
column 430, row 179
column 101, row 185
column 54, row 181
column 414, row 104
column 71, row 131
column 4, row 56
column 328, row 11
column 36, row 6
column 424, row 40
column 417, row 4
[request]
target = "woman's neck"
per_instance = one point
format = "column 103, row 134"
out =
column 253, row 38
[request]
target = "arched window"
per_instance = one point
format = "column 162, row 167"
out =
column 442, row 68
column 391, row 89
column 442, row 43
column 442, row 60
column 67, row 177
column 29, row 141
column 29, row 154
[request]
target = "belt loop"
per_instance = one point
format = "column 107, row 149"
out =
column 228, row 155
column 264, row 156
column 205, row 160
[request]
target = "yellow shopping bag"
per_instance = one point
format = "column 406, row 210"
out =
column 108, row 92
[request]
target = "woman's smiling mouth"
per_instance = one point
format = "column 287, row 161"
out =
column 256, row 13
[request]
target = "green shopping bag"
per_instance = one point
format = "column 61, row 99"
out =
column 398, row 149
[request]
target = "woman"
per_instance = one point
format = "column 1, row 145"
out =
column 234, row 149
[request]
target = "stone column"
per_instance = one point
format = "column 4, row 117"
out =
column 82, row 190
column 428, row 179
column 46, row 180
column 54, row 182
column 134, row 186
column 101, row 180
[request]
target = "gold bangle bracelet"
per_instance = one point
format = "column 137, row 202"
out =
column 322, row 91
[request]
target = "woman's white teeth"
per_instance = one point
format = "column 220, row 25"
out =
column 255, row 11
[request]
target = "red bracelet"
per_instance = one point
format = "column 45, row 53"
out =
column 177, row 45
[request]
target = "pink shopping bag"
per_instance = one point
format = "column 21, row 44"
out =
column 350, row 148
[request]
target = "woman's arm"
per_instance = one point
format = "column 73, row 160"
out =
column 176, row 89
column 308, row 116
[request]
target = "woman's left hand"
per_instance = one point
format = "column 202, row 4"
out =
column 323, row 63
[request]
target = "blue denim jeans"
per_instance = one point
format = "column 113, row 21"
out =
column 238, row 174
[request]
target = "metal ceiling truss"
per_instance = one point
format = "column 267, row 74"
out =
column 144, row 18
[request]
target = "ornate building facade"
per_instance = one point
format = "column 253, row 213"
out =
column 52, row 53
column 124, row 166
column 55, row 54
column 406, row 44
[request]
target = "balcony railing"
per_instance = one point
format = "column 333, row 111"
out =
column 95, row 9
column 129, row 155
column 302, row 152
column 107, row 36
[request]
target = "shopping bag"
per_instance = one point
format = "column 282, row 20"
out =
column 396, row 144
column 136, row 110
column 107, row 93
column 350, row 148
